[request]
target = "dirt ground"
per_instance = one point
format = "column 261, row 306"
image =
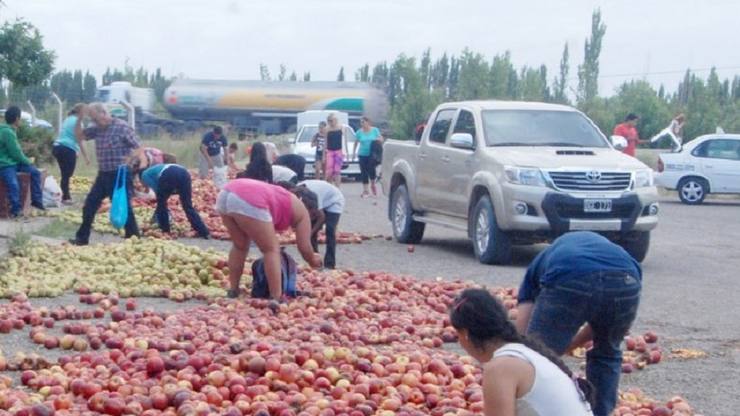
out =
column 689, row 295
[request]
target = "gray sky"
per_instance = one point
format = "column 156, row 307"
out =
column 228, row 39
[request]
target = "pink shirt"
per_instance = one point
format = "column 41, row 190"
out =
column 263, row 195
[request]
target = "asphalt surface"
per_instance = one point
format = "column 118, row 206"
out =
column 689, row 294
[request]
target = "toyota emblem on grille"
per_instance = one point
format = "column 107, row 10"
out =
column 593, row 176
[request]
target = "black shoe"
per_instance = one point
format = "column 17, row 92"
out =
column 206, row 237
column 76, row 242
column 38, row 205
column 232, row 294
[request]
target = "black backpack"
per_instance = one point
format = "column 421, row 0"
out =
column 288, row 272
column 376, row 153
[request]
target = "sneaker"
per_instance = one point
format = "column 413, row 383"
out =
column 76, row 242
column 232, row 293
column 206, row 237
column 38, row 205
column 365, row 195
column 68, row 202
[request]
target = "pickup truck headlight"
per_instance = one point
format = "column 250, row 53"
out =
column 643, row 178
column 524, row 176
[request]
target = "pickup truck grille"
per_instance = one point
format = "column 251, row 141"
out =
column 591, row 181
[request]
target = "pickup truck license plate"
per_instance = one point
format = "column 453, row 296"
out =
column 597, row 205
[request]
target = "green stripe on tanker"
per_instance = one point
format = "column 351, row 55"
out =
column 346, row 104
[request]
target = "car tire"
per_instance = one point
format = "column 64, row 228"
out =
column 491, row 244
column 637, row 244
column 692, row 190
column 405, row 229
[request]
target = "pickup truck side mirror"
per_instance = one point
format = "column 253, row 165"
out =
column 619, row 142
column 462, row 141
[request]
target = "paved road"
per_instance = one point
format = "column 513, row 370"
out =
column 690, row 295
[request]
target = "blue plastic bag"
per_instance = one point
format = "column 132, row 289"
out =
column 119, row 201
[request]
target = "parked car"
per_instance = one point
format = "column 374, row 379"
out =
column 302, row 146
column 517, row 173
column 28, row 120
column 707, row 164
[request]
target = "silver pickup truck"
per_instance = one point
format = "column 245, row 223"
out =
column 512, row 173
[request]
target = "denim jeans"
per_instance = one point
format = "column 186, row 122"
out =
column 103, row 188
column 332, row 219
column 9, row 174
column 177, row 180
column 608, row 302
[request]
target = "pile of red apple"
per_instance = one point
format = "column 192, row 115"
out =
column 358, row 344
column 640, row 351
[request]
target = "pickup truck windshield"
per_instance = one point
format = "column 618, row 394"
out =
column 539, row 128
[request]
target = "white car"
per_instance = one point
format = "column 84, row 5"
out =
column 302, row 147
column 707, row 164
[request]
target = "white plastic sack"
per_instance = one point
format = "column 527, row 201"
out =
column 220, row 176
column 52, row 194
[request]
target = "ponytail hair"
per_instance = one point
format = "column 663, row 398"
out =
column 486, row 320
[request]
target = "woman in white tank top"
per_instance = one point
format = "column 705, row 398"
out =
column 520, row 376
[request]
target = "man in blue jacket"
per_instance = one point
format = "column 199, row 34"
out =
column 581, row 288
column 13, row 161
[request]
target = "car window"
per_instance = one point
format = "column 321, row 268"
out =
column 540, row 128
column 441, row 126
column 465, row 123
column 719, row 149
column 307, row 134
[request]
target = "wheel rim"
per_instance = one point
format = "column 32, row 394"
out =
column 399, row 215
column 482, row 231
column 692, row 191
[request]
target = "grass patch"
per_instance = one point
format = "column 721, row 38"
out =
column 19, row 243
column 58, row 229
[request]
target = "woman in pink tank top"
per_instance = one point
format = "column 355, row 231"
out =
column 253, row 210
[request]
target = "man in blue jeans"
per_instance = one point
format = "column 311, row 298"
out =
column 13, row 161
column 581, row 288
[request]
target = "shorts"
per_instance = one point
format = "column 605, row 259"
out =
column 230, row 203
column 319, row 158
column 334, row 161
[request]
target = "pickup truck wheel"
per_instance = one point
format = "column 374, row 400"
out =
column 692, row 191
column 405, row 229
column 637, row 244
column 491, row 244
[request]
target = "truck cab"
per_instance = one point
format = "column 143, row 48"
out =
column 517, row 173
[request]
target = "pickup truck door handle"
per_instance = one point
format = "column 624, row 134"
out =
column 422, row 155
column 445, row 158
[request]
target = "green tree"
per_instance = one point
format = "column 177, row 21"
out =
column 474, row 72
column 498, row 78
column 588, row 72
column 307, row 76
column 560, row 95
column 89, row 87
column 412, row 100
column 363, row 74
column 293, row 76
column 23, row 59
column 264, row 72
column 283, row 72
column 340, row 76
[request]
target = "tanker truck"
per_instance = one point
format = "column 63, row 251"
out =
column 269, row 107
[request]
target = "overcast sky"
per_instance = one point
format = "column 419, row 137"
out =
column 228, row 39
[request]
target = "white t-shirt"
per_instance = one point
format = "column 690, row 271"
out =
column 553, row 393
column 282, row 174
column 329, row 196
